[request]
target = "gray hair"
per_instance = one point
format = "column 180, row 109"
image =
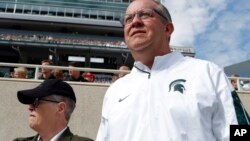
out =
column 70, row 104
column 163, row 10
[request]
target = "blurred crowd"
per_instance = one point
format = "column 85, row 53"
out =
column 62, row 40
column 72, row 74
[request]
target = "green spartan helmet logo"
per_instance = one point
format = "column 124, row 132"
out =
column 177, row 85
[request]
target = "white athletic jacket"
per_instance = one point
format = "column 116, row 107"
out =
column 178, row 99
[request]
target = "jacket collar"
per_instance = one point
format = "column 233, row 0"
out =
column 160, row 62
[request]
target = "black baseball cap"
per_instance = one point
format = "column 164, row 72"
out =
column 46, row 88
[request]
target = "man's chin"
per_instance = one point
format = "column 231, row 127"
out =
column 139, row 47
column 32, row 122
column 32, row 126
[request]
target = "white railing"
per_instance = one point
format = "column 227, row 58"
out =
column 242, row 82
column 63, row 68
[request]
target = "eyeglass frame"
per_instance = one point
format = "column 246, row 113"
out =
column 135, row 13
column 36, row 103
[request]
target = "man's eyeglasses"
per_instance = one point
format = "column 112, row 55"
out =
column 142, row 14
column 37, row 102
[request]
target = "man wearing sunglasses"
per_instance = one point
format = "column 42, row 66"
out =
column 166, row 96
column 51, row 105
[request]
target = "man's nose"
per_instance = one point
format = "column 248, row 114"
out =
column 31, row 107
column 137, row 21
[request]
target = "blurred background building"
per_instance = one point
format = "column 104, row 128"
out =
column 87, row 31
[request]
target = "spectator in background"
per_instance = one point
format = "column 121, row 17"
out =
column 50, row 104
column 241, row 113
column 121, row 74
column 20, row 72
column 90, row 77
column 123, row 68
column 244, row 85
column 58, row 74
column 74, row 74
column 46, row 73
column 114, row 78
column 234, row 81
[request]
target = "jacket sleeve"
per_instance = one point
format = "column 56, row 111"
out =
column 224, row 114
column 103, row 132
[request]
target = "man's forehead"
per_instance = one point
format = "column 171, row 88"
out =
column 140, row 4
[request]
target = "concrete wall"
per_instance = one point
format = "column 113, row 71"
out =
column 85, row 119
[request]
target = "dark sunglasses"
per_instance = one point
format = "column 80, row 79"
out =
column 37, row 102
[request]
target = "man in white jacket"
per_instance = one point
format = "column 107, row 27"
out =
column 166, row 97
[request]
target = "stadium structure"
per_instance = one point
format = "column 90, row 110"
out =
column 241, row 69
column 88, row 31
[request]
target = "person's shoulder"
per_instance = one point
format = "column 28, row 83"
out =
column 68, row 135
column 25, row 138
column 79, row 138
column 201, row 62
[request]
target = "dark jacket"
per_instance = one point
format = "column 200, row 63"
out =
column 66, row 136
column 79, row 79
column 241, row 113
column 51, row 76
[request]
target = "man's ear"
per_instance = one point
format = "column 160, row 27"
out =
column 62, row 107
column 169, row 28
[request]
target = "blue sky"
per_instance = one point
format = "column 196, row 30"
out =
column 218, row 30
